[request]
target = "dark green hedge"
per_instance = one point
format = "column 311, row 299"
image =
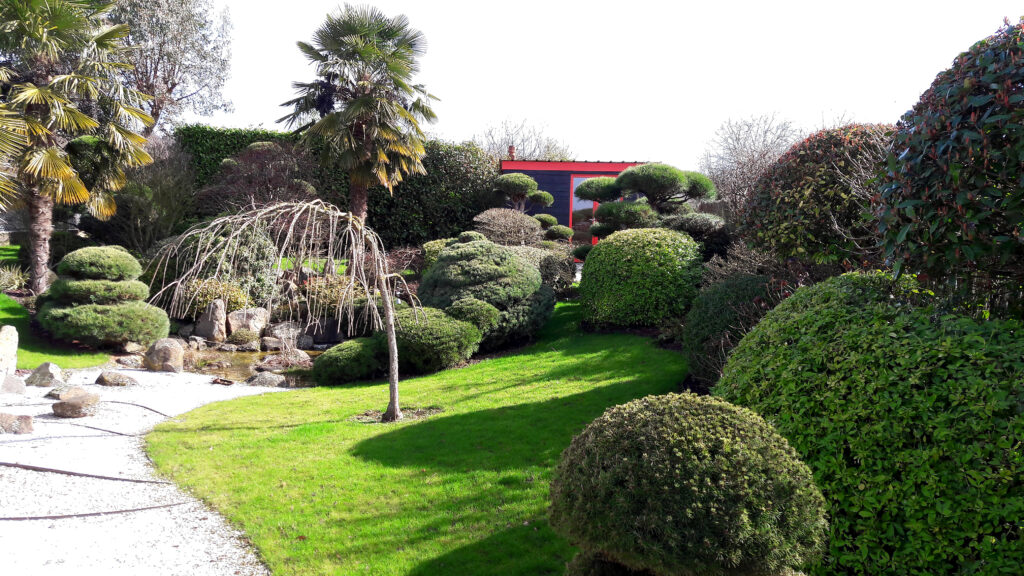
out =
column 208, row 145
column 355, row 359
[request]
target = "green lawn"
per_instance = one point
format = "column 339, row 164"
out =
column 462, row 492
column 9, row 255
column 34, row 350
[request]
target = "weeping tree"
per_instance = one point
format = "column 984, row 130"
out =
column 313, row 232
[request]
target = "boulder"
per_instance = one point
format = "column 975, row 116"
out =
column 227, row 348
column 271, row 344
column 186, row 331
column 286, row 359
column 253, row 319
column 196, row 343
column 253, row 346
column 133, row 348
column 212, row 324
column 304, row 342
column 325, row 331
column 130, row 361
column 8, row 349
column 65, row 392
column 287, row 332
column 77, row 406
column 12, row 384
column 268, row 379
column 12, row 424
column 165, row 355
column 111, row 378
column 47, row 375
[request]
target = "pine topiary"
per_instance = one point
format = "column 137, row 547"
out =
column 558, row 232
column 952, row 201
column 494, row 274
column 614, row 216
column 546, row 220
column 96, row 301
column 432, row 249
column 477, row 312
column 640, row 277
column 599, row 189
column 662, row 185
column 582, row 251
column 687, row 485
column 708, row 229
column 910, row 421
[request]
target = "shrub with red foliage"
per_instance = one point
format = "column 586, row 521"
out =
column 953, row 196
column 814, row 202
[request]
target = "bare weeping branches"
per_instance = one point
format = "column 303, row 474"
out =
column 334, row 246
column 315, row 241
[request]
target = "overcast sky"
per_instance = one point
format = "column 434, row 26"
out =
column 633, row 79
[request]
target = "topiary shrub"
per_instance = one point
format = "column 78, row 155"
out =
column 804, row 206
column 586, row 563
column 352, row 360
column 601, row 230
column 581, row 251
column 471, row 236
column 432, row 249
column 66, row 291
column 100, row 263
column 662, row 185
column 910, row 422
column 708, row 229
column 541, row 198
column 700, row 186
column 430, row 340
column 508, row 227
column 105, row 324
column 515, row 187
column 721, row 314
column 477, row 312
column 599, row 189
column 243, row 336
column 951, row 200
column 624, row 215
column 96, row 301
column 493, row 274
column 640, row 277
column 683, row 485
column 558, row 232
column 546, row 220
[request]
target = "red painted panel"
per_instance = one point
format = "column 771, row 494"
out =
column 566, row 166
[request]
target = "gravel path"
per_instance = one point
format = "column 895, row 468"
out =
column 185, row 539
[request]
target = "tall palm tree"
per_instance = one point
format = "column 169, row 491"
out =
column 59, row 79
column 363, row 113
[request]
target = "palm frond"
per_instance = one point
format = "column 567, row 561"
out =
column 102, row 205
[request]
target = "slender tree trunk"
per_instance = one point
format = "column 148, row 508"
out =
column 394, row 411
column 357, row 199
column 40, row 228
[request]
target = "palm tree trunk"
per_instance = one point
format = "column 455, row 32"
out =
column 394, row 411
column 357, row 200
column 40, row 228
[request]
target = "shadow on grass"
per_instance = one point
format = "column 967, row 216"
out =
column 526, row 550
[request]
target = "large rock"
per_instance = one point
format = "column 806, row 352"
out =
column 271, row 344
column 77, row 407
column 326, row 331
column 252, row 319
column 186, row 331
column 212, row 324
column 65, row 392
column 47, row 375
column 287, row 332
column 165, row 355
column 111, row 378
column 11, row 424
column 11, row 384
column 253, row 346
column 286, row 359
column 8, row 349
column 268, row 379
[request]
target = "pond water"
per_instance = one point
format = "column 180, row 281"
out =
column 238, row 366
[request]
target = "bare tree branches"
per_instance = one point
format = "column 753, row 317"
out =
column 742, row 151
column 530, row 142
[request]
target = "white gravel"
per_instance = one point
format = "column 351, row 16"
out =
column 189, row 539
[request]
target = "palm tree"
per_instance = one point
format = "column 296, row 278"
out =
column 363, row 112
column 59, row 79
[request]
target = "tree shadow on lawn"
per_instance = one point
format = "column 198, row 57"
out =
column 511, row 437
column 525, row 550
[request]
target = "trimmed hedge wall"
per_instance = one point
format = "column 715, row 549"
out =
column 209, row 146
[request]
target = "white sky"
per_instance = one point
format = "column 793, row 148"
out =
column 635, row 79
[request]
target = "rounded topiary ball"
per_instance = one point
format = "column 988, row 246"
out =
column 640, row 277
column 477, row 312
column 599, row 189
column 546, row 220
column 105, row 324
column 100, row 263
column 67, row 291
column 558, row 232
column 911, row 421
column 682, row 485
column 430, row 340
column 354, row 359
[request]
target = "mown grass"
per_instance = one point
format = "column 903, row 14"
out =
column 33, row 349
column 462, row 492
